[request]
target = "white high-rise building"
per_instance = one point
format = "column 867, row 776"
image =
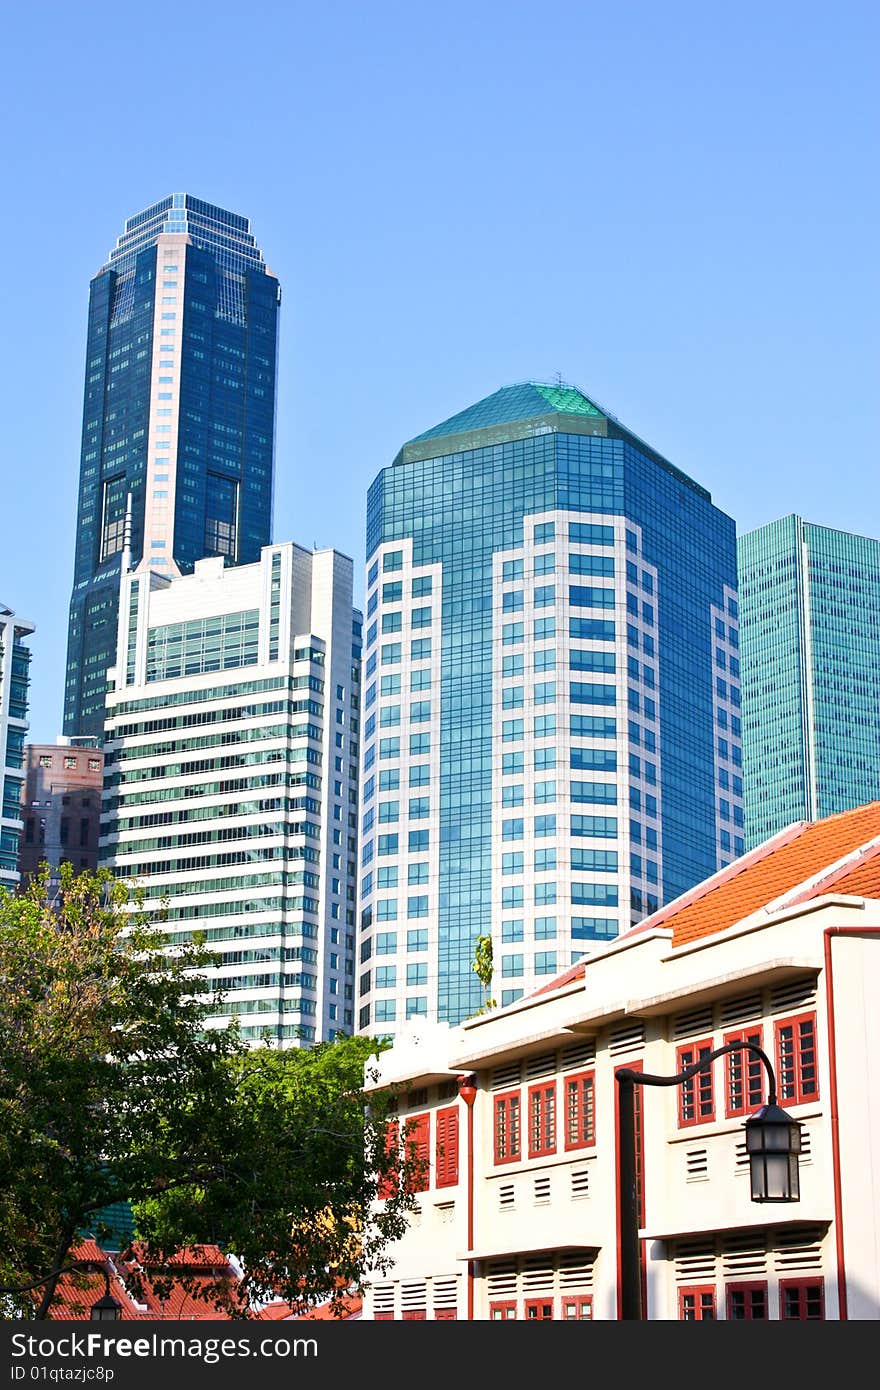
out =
column 14, row 681
column 230, row 788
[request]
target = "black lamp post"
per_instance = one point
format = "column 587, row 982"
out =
column 107, row 1308
column 773, row 1142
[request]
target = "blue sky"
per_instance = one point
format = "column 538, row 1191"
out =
column 673, row 206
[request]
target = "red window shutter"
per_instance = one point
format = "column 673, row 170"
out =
column 696, row 1099
column 747, row 1300
column 539, row 1310
column 542, row 1119
column 388, row 1184
column 796, row 1059
column 446, row 1147
column 445, row 1315
column 802, row 1300
column 418, row 1145
column 743, row 1075
column 507, row 1127
column 697, row 1304
column 580, row 1112
column 502, row 1312
column 414, row 1315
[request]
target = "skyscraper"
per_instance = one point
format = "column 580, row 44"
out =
column 15, row 660
column 810, row 597
column 178, row 415
column 551, row 699
column 230, row 779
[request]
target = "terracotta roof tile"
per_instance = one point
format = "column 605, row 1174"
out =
column 772, row 871
column 846, row 846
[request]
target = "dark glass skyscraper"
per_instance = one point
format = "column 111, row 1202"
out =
column 551, row 735
column 178, row 415
column 810, row 673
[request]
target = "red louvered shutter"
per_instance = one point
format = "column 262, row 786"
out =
column 388, row 1184
column 418, row 1145
column 446, row 1147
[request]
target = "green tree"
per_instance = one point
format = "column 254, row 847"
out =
column 113, row 1089
column 484, row 970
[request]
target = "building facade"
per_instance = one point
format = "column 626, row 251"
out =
column 810, row 656
column 230, row 779
column 551, row 723
column 61, row 807
column 178, row 417
column 15, row 660
column 516, row 1111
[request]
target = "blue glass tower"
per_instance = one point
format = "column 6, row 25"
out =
column 811, row 657
column 178, row 417
column 551, row 737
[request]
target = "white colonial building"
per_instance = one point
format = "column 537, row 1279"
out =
column 516, row 1110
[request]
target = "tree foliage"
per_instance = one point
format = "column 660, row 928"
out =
column 483, row 968
column 113, row 1089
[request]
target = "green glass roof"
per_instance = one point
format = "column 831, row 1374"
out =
column 524, row 401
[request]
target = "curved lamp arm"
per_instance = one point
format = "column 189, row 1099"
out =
column 643, row 1078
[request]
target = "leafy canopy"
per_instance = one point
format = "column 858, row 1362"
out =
column 112, row 1089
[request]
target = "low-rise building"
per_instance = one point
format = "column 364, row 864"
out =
column 516, row 1110
column 61, row 806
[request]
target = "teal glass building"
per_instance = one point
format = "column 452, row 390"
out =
column 810, row 596
column 551, row 717
column 178, row 417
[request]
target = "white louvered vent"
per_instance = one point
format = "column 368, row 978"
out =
column 506, row 1197
column 445, row 1213
column 629, row 1037
column 744, row 1257
column 741, row 1010
column 797, row 994
column 415, row 1216
column 542, row 1189
column 695, row 1261
column 501, row 1278
column 413, row 1294
column 696, row 1163
column 575, row 1271
column 580, row 1055
column 545, row 1065
column 696, row 1021
column 445, row 1292
column 383, row 1298
column 504, row 1077
column 537, row 1274
column 798, row 1250
column 580, row 1182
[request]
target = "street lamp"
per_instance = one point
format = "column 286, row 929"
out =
column 773, row 1143
column 107, row 1308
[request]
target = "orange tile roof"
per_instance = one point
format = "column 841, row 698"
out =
column 784, row 870
column 772, row 871
column 350, row 1307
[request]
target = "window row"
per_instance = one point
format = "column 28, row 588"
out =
column 541, row 1120
column 795, row 1061
column 431, row 1139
